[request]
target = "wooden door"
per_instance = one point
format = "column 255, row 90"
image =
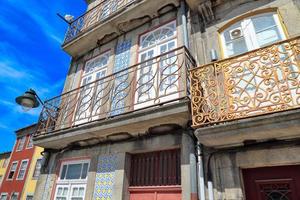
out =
column 272, row 183
column 155, row 176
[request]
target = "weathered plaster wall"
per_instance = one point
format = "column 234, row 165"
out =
column 203, row 38
column 121, row 151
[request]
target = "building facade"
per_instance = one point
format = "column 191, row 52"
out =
column 176, row 100
column 23, row 168
column 4, row 160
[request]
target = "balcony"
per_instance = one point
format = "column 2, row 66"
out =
column 107, row 20
column 148, row 94
column 96, row 15
column 257, row 85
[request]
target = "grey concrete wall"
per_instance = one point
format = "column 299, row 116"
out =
column 46, row 182
column 203, row 38
column 227, row 167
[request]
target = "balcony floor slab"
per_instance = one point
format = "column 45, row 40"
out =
column 136, row 123
column 281, row 125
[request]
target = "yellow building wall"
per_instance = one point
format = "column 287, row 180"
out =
column 30, row 183
column 3, row 169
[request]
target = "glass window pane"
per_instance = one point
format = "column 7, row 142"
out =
column 63, row 172
column 65, row 192
column 21, row 143
column 268, row 36
column 262, row 22
column 236, row 47
column 3, row 197
column 84, row 170
column 74, row 171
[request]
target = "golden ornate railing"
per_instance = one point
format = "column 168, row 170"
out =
column 99, row 13
column 161, row 79
column 262, row 81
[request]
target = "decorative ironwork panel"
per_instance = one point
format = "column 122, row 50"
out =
column 119, row 91
column 94, row 16
column 105, row 176
column 262, row 81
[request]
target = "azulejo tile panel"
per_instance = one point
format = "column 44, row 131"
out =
column 105, row 177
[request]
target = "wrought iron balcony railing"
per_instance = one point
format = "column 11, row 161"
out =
column 161, row 79
column 262, row 81
column 98, row 14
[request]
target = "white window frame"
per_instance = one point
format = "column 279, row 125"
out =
column 16, row 193
column 90, row 86
column 249, row 32
column 10, row 179
column 29, row 143
column 74, row 182
column 156, row 52
column 27, row 163
column 35, row 169
column 19, row 142
column 4, row 193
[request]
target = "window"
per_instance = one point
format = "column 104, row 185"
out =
column 3, row 196
column 252, row 33
column 22, row 170
column 95, row 69
column 21, row 143
column 14, row 196
column 12, row 170
column 71, row 184
column 157, row 77
column 37, row 169
column 30, row 143
column 29, row 197
column 5, row 162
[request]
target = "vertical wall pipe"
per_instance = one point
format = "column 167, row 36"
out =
column 201, row 186
column 210, row 190
column 184, row 23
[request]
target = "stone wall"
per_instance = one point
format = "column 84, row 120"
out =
column 120, row 152
column 227, row 167
column 204, row 36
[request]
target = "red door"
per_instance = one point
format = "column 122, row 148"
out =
column 272, row 183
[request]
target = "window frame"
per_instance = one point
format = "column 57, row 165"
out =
column 14, row 193
column 250, row 35
column 4, row 193
column 19, row 142
column 27, row 163
column 28, row 142
column 35, row 167
column 10, row 179
column 70, row 183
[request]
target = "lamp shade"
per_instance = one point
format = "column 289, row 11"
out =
column 28, row 99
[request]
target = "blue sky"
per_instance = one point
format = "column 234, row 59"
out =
column 31, row 35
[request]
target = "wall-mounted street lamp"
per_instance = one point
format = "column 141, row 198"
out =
column 29, row 100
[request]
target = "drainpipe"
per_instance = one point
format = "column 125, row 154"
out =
column 210, row 186
column 200, row 172
column 184, row 23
